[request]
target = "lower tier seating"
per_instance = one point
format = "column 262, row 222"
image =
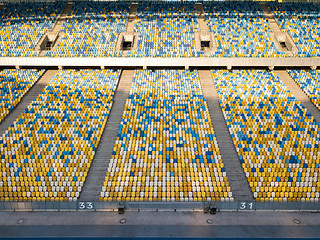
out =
column 14, row 84
column 277, row 140
column 47, row 152
column 166, row 149
column 309, row 82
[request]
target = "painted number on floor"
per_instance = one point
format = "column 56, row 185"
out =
column 85, row 206
column 245, row 206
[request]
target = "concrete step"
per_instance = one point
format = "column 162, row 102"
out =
column 276, row 30
column 298, row 93
column 201, row 20
column 93, row 185
column 237, row 180
column 131, row 18
column 55, row 29
column 272, row 21
column 204, row 30
column 62, row 18
column 26, row 100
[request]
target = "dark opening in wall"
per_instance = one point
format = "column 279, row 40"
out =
column 49, row 45
column 48, row 41
column 127, row 42
column 127, row 45
column 205, row 44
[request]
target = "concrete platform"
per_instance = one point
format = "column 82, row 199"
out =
column 159, row 224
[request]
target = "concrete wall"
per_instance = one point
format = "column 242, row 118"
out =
column 6, row 1
column 157, row 62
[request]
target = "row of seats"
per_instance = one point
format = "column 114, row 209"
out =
column 302, row 21
column 309, row 82
column 276, row 138
column 92, row 30
column 14, row 84
column 166, row 30
column 241, row 29
column 22, row 26
column 47, row 152
column 166, row 149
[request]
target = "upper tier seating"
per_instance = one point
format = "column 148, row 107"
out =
column 241, row 29
column 302, row 21
column 92, row 30
column 166, row 148
column 277, row 140
column 166, row 30
column 309, row 81
column 47, row 152
column 22, row 26
column 14, row 84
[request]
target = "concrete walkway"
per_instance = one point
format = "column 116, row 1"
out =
column 56, row 29
column 26, row 100
column 97, row 173
column 276, row 30
column 264, row 224
column 238, row 182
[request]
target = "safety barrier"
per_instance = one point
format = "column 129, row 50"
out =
column 146, row 62
column 159, row 206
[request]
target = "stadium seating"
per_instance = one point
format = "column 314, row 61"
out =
column 309, row 82
column 241, row 29
column 302, row 21
column 14, row 84
column 22, row 26
column 92, row 30
column 166, row 148
column 47, row 152
column 276, row 139
column 166, row 30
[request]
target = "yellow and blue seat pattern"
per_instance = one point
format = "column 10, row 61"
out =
column 14, row 84
column 241, row 30
column 92, row 30
column 309, row 82
column 166, row 30
column 46, row 153
column 302, row 21
column 166, row 149
column 22, row 26
column 276, row 138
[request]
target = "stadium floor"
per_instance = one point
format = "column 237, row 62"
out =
column 178, row 225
